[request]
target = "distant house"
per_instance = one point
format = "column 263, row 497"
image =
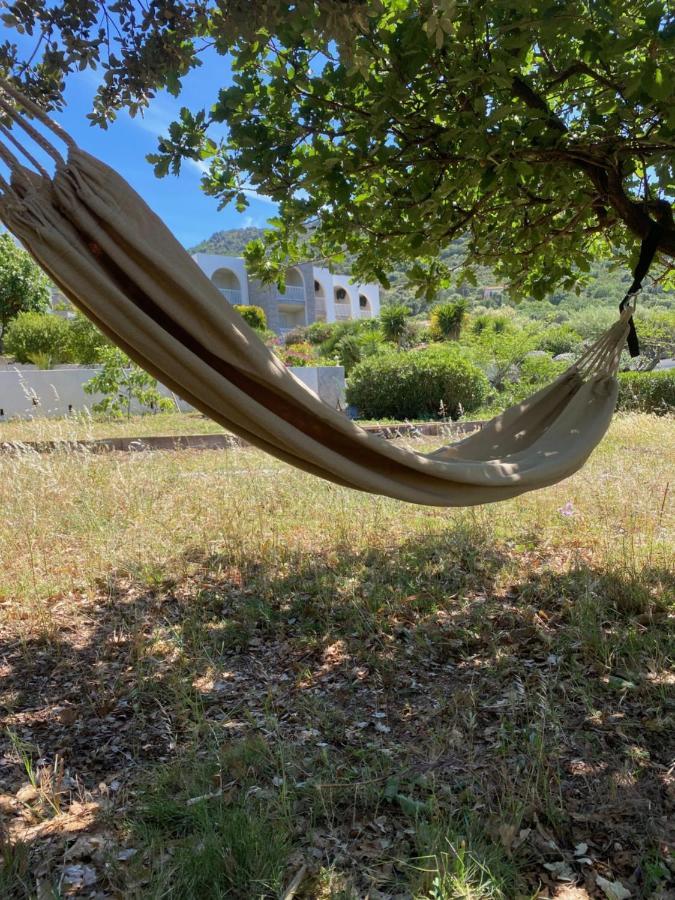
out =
column 313, row 294
column 494, row 292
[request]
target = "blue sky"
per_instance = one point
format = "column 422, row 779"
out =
column 190, row 214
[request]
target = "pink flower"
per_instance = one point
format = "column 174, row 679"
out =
column 567, row 510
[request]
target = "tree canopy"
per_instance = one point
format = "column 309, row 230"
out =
column 23, row 286
column 542, row 131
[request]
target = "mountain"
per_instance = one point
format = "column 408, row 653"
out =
column 229, row 243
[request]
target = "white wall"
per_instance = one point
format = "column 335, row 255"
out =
column 27, row 392
column 209, row 263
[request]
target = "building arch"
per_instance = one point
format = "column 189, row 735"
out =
column 342, row 303
column 228, row 284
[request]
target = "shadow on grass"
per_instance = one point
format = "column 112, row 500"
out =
column 332, row 701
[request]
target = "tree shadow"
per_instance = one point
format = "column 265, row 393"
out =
column 535, row 697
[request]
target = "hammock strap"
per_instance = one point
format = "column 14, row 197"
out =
column 647, row 253
column 23, row 123
column 32, row 107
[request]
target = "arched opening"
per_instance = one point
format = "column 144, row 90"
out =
column 343, row 307
column 228, row 284
column 365, row 309
column 319, row 302
column 292, row 302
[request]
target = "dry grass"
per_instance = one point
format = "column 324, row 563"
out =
column 82, row 427
column 390, row 700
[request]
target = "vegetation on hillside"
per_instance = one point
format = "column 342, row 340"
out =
column 605, row 283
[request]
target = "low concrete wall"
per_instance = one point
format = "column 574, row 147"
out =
column 27, row 392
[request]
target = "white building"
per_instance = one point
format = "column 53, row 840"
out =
column 312, row 294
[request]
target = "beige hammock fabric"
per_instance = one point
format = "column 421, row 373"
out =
column 118, row 263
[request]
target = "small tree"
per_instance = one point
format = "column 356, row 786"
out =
column 23, row 286
column 122, row 382
column 447, row 319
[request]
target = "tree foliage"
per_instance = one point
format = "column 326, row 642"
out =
column 124, row 384
column 23, row 286
column 543, row 131
column 40, row 338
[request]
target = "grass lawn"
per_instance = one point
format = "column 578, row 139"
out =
column 223, row 678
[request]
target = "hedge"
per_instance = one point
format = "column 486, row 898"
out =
column 419, row 384
column 648, row 392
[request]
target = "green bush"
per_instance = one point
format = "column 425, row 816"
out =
column 536, row 371
column 418, row 384
column 648, row 392
column 254, row 316
column 394, row 322
column 38, row 335
column 318, row 332
column 85, row 341
column 560, row 339
column 297, row 354
column 490, row 323
column 353, row 348
column 339, row 330
column 447, row 320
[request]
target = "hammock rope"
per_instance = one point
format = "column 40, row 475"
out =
column 118, row 263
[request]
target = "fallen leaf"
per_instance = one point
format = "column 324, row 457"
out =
column 561, row 871
column 613, row 890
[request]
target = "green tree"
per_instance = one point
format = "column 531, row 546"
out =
column 543, row 131
column 23, row 286
column 122, row 382
column 86, row 343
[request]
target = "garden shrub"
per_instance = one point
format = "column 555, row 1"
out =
column 447, row 320
column 560, row 339
column 495, row 324
column 394, row 322
column 355, row 347
column 536, row 371
column 254, row 316
column 318, row 332
column 648, row 392
column 416, row 384
column 38, row 335
column 297, row 335
column 339, row 330
column 297, row 354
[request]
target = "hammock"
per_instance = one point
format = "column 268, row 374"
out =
column 118, row 263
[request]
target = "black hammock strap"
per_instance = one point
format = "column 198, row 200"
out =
column 647, row 252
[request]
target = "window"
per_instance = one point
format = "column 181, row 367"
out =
column 363, row 301
column 341, row 294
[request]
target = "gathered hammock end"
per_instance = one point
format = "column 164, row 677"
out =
column 118, row 263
